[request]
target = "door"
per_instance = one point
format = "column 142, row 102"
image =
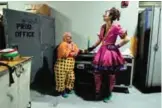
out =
column 47, row 69
column 144, row 27
column 47, row 39
column 6, row 102
column 47, row 31
column 24, row 85
column 154, row 58
column 156, row 78
column 4, row 88
column 13, row 92
column 156, row 75
column 48, row 57
column 23, row 29
column 47, row 43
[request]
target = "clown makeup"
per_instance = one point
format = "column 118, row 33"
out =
column 106, row 16
column 69, row 39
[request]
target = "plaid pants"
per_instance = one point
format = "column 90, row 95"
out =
column 64, row 74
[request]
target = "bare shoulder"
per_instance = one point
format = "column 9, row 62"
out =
column 116, row 25
column 103, row 25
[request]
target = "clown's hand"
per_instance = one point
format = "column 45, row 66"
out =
column 72, row 54
column 81, row 51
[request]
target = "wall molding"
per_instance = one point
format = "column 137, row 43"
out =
column 143, row 4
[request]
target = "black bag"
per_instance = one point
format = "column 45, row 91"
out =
column 11, row 70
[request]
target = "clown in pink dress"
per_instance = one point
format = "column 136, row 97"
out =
column 108, row 60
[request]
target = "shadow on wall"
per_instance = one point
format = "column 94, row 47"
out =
column 43, row 81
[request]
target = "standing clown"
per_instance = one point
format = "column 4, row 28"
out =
column 108, row 60
column 64, row 67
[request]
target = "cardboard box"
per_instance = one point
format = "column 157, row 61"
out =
column 44, row 10
column 32, row 11
column 39, row 9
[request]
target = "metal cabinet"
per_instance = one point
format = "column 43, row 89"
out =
column 5, row 99
column 33, row 34
column 148, row 60
column 18, row 94
column 24, row 86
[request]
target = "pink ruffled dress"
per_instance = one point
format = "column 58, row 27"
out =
column 107, row 59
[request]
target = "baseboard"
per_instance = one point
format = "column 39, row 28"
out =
column 156, row 89
column 152, row 89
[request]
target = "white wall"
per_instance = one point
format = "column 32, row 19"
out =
column 84, row 19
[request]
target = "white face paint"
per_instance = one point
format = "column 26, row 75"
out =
column 107, row 12
column 106, row 15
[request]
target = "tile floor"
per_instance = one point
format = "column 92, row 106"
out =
column 120, row 100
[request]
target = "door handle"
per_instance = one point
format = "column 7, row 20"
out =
column 156, row 47
column 10, row 96
column 21, row 68
column 17, row 72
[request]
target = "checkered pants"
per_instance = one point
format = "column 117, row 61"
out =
column 64, row 74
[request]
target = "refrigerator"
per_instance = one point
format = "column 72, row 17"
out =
column 34, row 35
column 147, row 77
column 2, row 36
